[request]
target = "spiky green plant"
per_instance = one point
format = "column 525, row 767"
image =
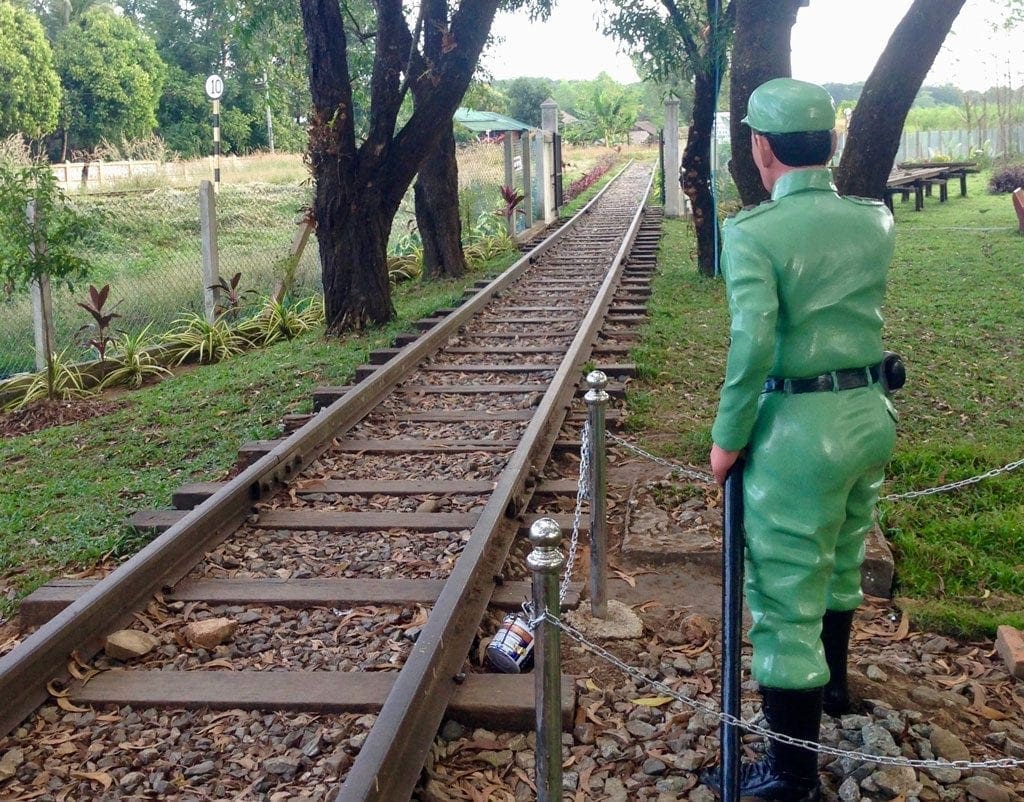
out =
column 135, row 361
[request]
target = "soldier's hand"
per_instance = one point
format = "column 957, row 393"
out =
column 722, row 461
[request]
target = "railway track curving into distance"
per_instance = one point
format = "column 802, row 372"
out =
column 359, row 557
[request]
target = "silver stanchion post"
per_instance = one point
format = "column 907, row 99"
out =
column 546, row 561
column 597, row 401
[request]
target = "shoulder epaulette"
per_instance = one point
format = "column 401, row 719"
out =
column 751, row 211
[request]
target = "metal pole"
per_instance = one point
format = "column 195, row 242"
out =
column 597, row 401
column 732, row 627
column 216, row 145
column 546, row 562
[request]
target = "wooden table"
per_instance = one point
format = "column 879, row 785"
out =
column 916, row 179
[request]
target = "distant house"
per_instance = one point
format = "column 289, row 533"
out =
column 643, row 133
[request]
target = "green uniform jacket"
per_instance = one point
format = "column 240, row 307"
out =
column 805, row 278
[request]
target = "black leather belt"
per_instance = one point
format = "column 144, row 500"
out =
column 848, row 379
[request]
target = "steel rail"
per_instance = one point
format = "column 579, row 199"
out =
column 43, row 656
column 389, row 764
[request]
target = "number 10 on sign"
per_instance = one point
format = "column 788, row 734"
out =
column 214, row 89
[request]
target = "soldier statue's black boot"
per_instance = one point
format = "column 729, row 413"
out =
column 835, row 637
column 787, row 773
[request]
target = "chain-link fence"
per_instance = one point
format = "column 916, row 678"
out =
column 146, row 245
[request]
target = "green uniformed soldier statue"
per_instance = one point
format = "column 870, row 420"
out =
column 802, row 401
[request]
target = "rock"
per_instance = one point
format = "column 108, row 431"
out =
column 690, row 760
column 988, row 791
column 570, row 779
column 653, row 767
column 283, row 765
column 878, row 741
column 641, row 729
column 1010, row 645
column 947, row 746
column 209, row 633
column 496, row 759
column 849, row 790
column 896, row 781
column 585, row 733
column 132, row 780
column 936, row 645
column 875, row 673
column 128, row 644
column 614, row 790
column 9, row 763
column 201, row 769
column 702, row 794
column 452, row 730
column 945, row 774
column 926, row 696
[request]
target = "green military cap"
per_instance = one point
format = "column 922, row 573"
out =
column 785, row 105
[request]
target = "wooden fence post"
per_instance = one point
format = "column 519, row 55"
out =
column 42, row 306
column 211, row 258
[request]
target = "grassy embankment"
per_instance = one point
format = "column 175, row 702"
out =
column 67, row 491
column 954, row 309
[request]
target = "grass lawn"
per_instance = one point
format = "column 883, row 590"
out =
column 954, row 308
column 68, row 490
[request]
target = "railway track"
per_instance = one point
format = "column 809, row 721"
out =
column 353, row 562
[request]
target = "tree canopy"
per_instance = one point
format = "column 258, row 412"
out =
column 112, row 78
column 29, row 87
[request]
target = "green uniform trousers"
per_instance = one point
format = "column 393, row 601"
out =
column 812, row 477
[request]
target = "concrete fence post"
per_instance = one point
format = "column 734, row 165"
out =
column 211, row 257
column 672, row 190
column 509, row 179
column 527, row 178
column 42, row 306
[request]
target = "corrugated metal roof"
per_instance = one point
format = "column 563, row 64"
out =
column 488, row 121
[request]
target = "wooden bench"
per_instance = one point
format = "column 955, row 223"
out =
column 1018, row 206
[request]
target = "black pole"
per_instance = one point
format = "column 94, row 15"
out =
column 732, row 628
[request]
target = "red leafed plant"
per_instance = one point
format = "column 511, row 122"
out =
column 101, row 318
column 512, row 197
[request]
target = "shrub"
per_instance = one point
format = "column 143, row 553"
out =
column 1006, row 178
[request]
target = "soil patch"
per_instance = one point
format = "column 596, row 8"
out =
column 44, row 414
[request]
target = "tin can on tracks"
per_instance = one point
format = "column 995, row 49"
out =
column 511, row 649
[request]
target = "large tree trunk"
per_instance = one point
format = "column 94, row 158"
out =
column 353, row 238
column 877, row 121
column 360, row 186
column 695, row 172
column 436, row 193
column 760, row 52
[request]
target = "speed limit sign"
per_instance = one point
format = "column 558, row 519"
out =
column 214, row 87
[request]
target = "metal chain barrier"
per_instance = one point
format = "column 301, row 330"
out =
column 700, row 476
column 660, row 687
column 1012, row 466
column 689, row 473
column 582, row 493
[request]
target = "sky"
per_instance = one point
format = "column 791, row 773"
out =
column 833, row 41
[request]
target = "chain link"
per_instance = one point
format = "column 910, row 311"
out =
column 582, row 493
column 700, row 476
column 636, row 674
column 690, row 473
column 1012, row 466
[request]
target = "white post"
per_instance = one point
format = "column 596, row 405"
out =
column 546, row 173
column 510, row 181
column 672, row 189
column 211, row 258
column 42, row 305
column 527, row 178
